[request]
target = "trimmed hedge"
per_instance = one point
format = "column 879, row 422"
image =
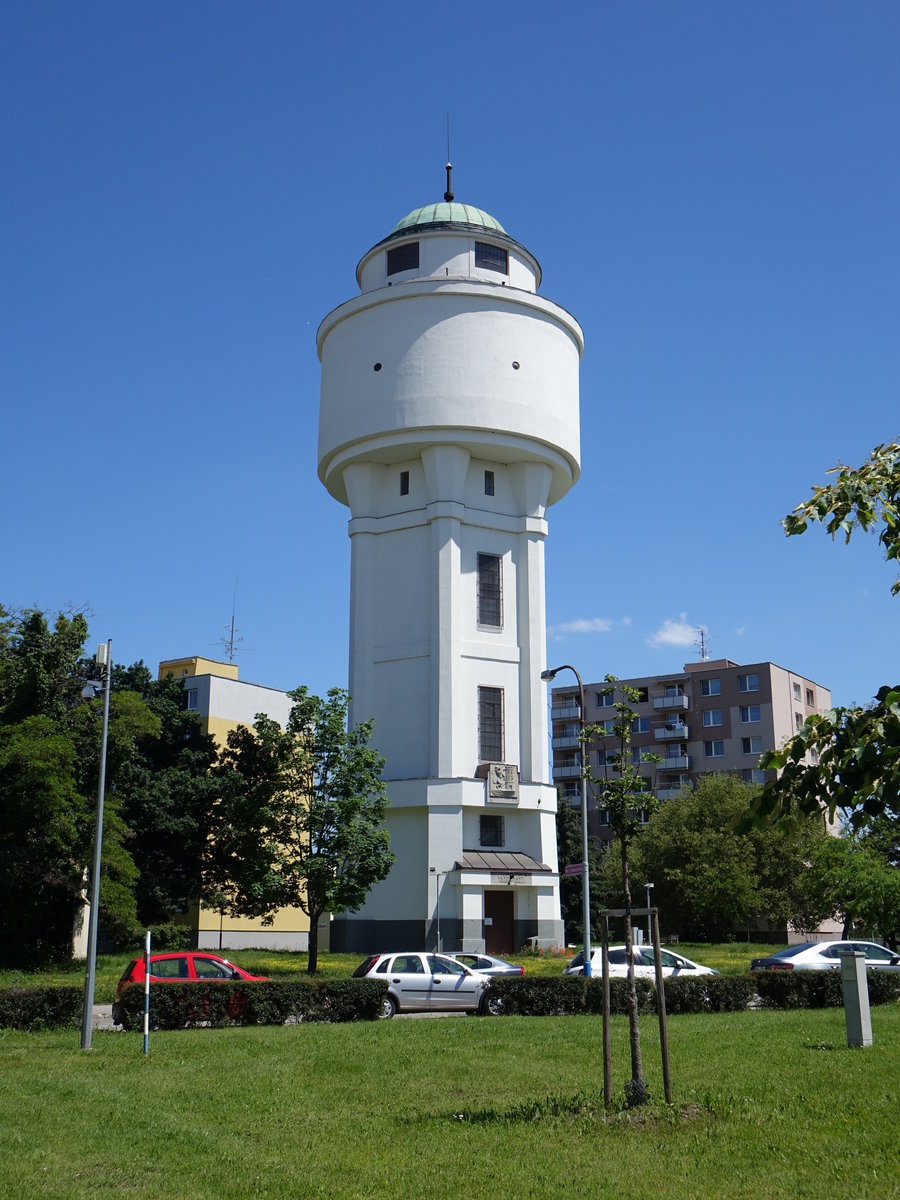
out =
column 819, row 989
column 570, row 994
column 189, row 1005
column 33, row 1009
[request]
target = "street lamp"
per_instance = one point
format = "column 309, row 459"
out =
column 104, row 661
column 649, row 928
column 547, row 677
column 437, row 879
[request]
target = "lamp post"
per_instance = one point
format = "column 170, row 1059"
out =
column 437, row 880
column 104, row 661
column 547, row 677
column 649, row 928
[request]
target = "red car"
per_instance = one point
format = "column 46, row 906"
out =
column 181, row 966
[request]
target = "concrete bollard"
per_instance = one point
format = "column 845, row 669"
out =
column 856, row 999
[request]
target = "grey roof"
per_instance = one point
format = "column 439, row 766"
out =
column 500, row 860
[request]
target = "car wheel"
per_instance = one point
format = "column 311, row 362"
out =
column 491, row 1006
column 388, row 1007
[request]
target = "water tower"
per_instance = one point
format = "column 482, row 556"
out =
column 448, row 424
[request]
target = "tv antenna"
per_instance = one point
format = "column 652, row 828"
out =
column 702, row 643
column 230, row 642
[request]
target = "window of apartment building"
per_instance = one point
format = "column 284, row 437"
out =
column 810, row 698
column 492, row 258
column 674, row 689
column 489, row 483
column 673, row 752
column 749, row 714
column 608, row 726
column 640, row 725
column 710, row 687
column 403, row 258
column 714, row 749
column 796, row 690
column 489, row 590
column 603, row 816
column 605, row 758
column 643, row 695
column 638, row 754
column 748, row 683
column 605, row 699
column 404, row 483
column 490, row 724
column 798, row 720
column 490, row 830
column 191, row 700
column 753, row 775
column 712, row 716
column 751, row 745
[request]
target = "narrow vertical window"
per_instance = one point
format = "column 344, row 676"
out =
column 404, row 483
column 489, row 590
column 490, row 724
column 489, row 483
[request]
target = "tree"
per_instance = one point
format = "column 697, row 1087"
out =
column 167, row 794
column 710, row 881
column 569, row 850
column 622, row 793
column 847, row 759
column 49, row 764
column 858, row 887
column 300, row 817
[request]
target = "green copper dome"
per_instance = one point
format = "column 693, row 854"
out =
column 445, row 213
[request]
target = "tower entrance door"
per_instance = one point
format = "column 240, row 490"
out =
column 498, row 936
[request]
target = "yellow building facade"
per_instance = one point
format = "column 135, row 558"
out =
column 221, row 702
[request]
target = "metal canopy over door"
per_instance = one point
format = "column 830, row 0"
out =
column 498, row 924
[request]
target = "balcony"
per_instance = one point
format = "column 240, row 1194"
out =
column 567, row 772
column 679, row 762
column 566, row 712
column 668, row 703
column 572, row 742
column 671, row 732
column 672, row 788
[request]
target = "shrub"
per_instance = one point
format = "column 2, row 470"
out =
column 819, row 989
column 187, row 1005
column 34, row 1009
column 539, row 995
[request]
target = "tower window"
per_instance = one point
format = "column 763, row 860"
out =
column 489, row 589
column 403, row 258
column 490, row 724
column 192, row 704
column 489, row 483
column 491, row 830
column 404, row 483
column 492, row 258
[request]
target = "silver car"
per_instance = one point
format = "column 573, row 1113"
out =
column 422, row 982
column 824, row 956
column 644, row 963
column 487, row 964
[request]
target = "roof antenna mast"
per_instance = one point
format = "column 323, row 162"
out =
column 233, row 637
column 702, row 643
column 448, row 195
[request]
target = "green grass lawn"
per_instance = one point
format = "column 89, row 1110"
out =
column 767, row 1104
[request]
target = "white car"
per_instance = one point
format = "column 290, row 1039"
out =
column 422, row 982
column 824, row 956
column 644, row 963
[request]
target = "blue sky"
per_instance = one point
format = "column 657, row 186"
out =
column 712, row 189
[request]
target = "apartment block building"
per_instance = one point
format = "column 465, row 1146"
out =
column 712, row 716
